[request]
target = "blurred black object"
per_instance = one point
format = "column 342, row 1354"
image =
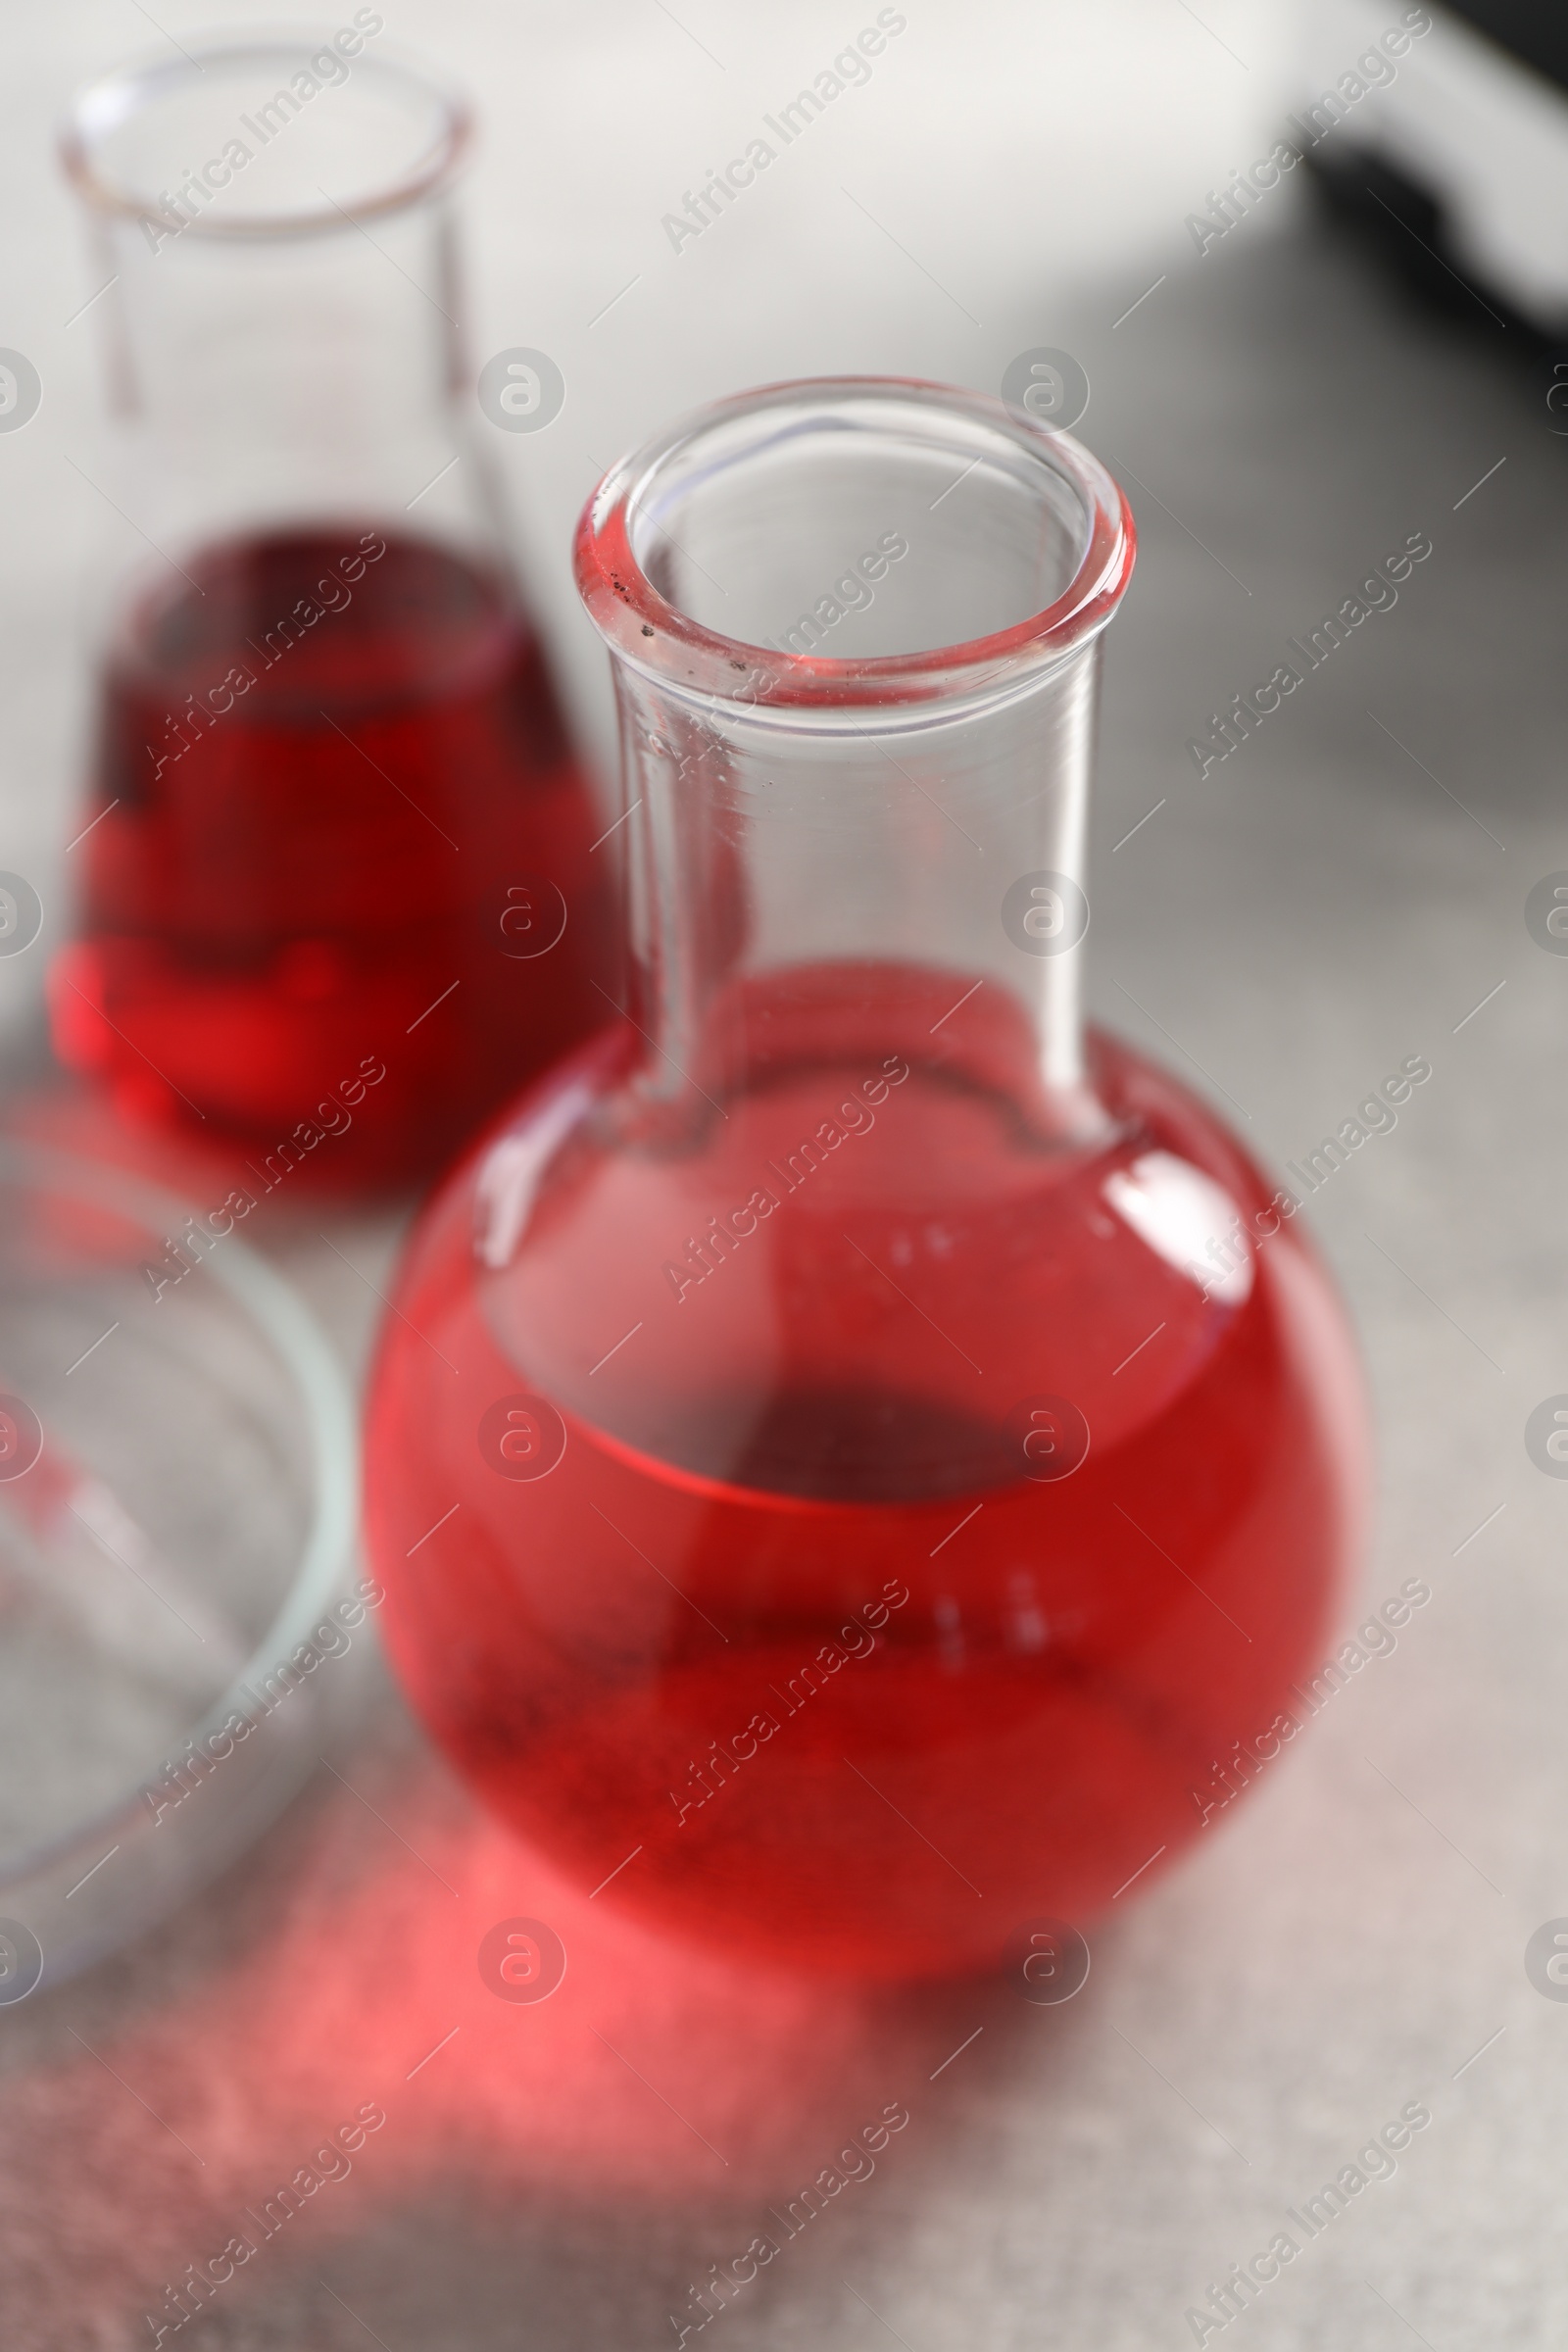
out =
column 1536, row 31
column 1434, row 189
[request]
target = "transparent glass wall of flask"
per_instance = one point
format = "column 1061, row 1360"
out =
column 329, row 747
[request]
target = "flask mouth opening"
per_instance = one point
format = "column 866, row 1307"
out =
column 269, row 137
column 853, row 541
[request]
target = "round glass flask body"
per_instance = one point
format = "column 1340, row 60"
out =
column 908, row 1452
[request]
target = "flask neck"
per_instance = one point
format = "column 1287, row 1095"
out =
column 913, row 885
column 307, row 369
column 277, row 259
column 854, row 627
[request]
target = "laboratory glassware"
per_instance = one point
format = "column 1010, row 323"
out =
column 858, row 1464
column 336, row 877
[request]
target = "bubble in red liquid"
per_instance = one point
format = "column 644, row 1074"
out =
column 794, row 1651
column 332, row 789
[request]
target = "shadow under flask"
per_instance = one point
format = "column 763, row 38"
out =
column 337, row 849
column 905, row 1450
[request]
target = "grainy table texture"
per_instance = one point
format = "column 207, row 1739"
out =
column 1345, row 890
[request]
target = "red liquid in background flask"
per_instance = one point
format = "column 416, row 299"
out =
column 789, row 1599
column 337, row 831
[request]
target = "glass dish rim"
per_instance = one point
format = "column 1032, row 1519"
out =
column 654, row 636
column 273, row 1304
column 100, row 104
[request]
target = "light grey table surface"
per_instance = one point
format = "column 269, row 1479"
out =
column 1325, row 903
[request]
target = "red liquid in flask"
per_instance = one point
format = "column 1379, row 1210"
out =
column 768, row 1580
column 336, row 817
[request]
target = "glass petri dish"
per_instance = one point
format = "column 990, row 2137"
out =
column 179, row 1604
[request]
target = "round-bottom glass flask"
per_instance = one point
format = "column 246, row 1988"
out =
column 904, row 1455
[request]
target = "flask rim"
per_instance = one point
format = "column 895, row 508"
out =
column 100, row 106
column 656, row 637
